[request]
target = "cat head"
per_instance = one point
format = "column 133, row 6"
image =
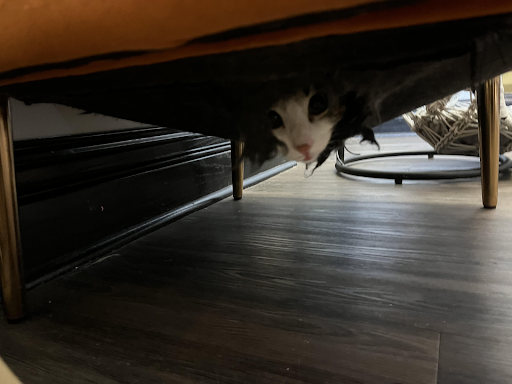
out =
column 308, row 125
column 303, row 123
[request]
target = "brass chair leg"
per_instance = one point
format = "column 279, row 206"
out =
column 237, row 169
column 489, row 134
column 11, row 265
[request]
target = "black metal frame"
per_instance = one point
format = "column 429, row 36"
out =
column 342, row 166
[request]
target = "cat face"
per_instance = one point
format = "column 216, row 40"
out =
column 303, row 124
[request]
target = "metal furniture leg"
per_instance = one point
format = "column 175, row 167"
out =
column 11, row 264
column 489, row 136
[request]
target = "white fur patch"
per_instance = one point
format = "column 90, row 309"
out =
column 299, row 129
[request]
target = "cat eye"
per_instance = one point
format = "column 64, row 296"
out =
column 275, row 120
column 318, row 104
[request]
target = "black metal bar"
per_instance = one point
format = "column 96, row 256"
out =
column 343, row 168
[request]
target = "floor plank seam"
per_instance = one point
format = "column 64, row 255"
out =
column 438, row 357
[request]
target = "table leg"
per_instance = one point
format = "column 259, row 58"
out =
column 237, row 168
column 11, row 264
column 489, row 135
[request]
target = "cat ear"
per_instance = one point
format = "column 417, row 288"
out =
column 369, row 136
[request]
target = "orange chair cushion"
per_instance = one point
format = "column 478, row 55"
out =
column 40, row 32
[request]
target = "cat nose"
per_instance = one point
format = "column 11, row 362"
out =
column 304, row 149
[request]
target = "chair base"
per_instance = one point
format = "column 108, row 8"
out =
column 342, row 166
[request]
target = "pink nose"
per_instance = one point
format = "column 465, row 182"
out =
column 304, row 149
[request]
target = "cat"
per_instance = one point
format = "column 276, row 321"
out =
column 308, row 124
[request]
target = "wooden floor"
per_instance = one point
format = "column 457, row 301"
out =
column 305, row 280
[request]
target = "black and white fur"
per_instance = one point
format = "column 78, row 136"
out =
column 306, row 125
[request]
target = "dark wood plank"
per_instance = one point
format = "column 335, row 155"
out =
column 468, row 360
column 427, row 245
column 235, row 293
column 114, row 331
column 318, row 280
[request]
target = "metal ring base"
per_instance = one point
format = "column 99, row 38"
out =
column 342, row 166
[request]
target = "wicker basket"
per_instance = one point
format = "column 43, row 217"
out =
column 451, row 126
